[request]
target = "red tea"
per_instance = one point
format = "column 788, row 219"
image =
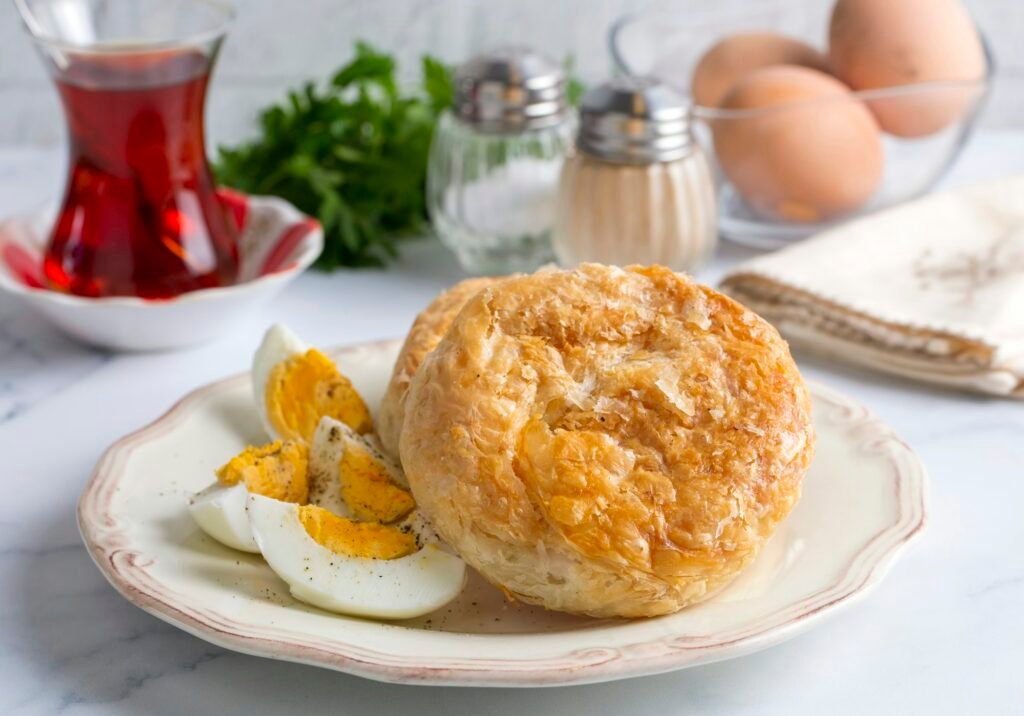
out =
column 140, row 217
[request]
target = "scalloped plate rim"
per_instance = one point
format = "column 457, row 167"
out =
column 574, row 666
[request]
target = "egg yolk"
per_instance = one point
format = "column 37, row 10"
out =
column 306, row 387
column 276, row 470
column 368, row 540
column 368, row 489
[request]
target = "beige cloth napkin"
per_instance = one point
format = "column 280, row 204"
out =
column 932, row 290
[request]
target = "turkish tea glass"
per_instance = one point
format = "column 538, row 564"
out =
column 140, row 216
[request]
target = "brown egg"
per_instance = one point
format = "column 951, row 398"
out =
column 881, row 43
column 813, row 151
column 731, row 59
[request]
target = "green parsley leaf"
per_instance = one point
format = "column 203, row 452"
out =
column 353, row 154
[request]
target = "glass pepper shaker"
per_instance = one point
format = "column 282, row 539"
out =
column 638, row 189
column 495, row 162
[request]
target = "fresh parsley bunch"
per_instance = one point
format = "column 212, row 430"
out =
column 352, row 154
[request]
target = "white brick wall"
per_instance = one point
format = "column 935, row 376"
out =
column 276, row 44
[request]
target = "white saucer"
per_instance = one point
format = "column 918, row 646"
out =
column 277, row 243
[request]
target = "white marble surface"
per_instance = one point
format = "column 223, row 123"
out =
column 943, row 634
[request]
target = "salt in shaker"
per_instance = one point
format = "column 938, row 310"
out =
column 495, row 162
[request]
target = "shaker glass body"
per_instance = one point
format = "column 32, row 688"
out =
column 491, row 196
column 655, row 213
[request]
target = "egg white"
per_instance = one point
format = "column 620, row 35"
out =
column 278, row 345
column 220, row 511
column 324, row 461
column 325, row 455
column 389, row 589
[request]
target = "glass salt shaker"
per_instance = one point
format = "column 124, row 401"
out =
column 638, row 189
column 495, row 162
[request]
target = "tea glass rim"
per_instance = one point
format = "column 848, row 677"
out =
column 217, row 32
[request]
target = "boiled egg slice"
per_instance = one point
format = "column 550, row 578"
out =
column 220, row 512
column 348, row 468
column 295, row 385
column 278, row 470
column 359, row 568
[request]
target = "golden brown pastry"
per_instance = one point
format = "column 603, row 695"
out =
column 426, row 332
column 607, row 441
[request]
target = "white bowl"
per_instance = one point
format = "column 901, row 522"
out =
column 277, row 243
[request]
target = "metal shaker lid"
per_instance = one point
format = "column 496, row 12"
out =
column 509, row 90
column 634, row 120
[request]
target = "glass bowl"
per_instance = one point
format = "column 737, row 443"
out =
column 668, row 45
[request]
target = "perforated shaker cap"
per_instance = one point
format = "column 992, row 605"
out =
column 508, row 90
column 634, row 120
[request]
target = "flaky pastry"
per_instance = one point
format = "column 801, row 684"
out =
column 606, row 441
column 426, row 332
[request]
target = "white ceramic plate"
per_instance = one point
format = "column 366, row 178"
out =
column 863, row 499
